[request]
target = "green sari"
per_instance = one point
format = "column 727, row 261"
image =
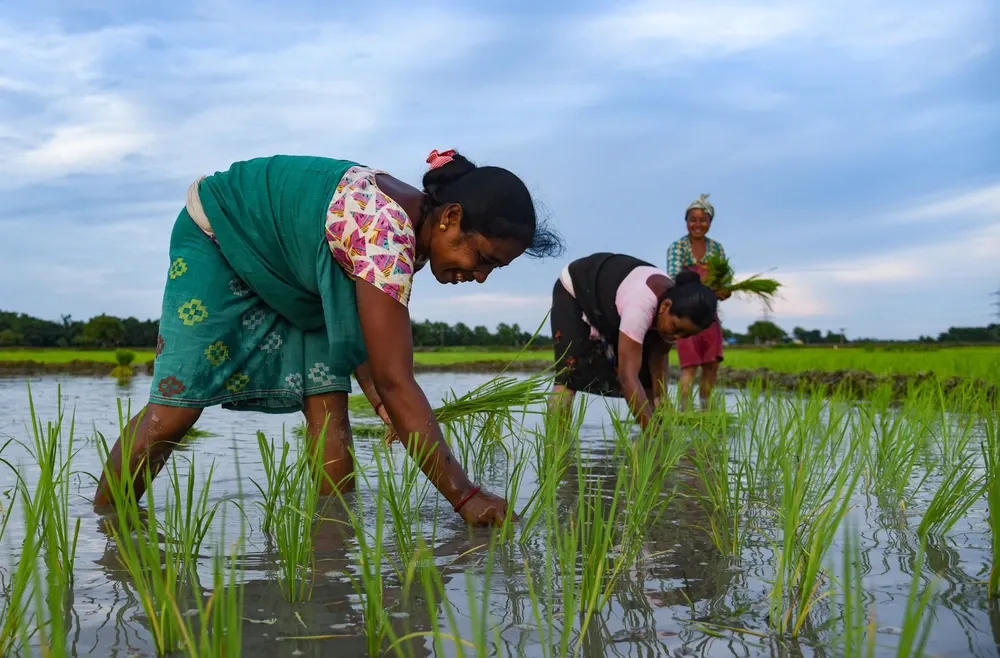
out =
column 259, row 316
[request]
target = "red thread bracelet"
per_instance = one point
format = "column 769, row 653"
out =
column 466, row 498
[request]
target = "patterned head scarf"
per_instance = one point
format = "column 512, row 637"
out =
column 702, row 204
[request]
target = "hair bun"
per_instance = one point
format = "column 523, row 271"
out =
column 686, row 277
column 447, row 173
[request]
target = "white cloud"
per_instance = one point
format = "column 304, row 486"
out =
column 982, row 202
column 800, row 297
column 697, row 30
column 97, row 131
column 903, row 43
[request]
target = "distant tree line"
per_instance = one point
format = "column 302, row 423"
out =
column 22, row 330
column 765, row 332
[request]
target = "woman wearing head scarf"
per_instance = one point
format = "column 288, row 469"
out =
column 613, row 319
column 703, row 350
column 288, row 274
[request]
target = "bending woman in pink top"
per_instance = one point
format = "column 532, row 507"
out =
column 704, row 350
column 613, row 319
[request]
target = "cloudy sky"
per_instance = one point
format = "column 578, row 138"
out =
column 852, row 148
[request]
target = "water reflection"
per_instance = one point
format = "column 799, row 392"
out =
column 660, row 607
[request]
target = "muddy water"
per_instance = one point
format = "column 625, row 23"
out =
column 653, row 613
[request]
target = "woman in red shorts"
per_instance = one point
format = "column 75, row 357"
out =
column 703, row 350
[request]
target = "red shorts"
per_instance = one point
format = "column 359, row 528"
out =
column 702, row 348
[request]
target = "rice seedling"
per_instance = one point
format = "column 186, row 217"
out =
column 553, row 448
column 159, row 573
column 858, row 637
column 896, row 447
column 48, row 531
column 6, row 511
column 918, row 618
column 599, row 533
column 721, row 487
column 295, row 516
column 277, row 472
column 198, row 433
column 50, row 501
column 490, row 403
column 958, row 491
column 17, row 622
column 403, row 499
column 991, row 459
column 645, row 465
column 556, row 603
column 815, row 497
column 721, row 277
column 187, row 517
column 369, row 582
column 220, row 618
column 485, row 640
column 955, row 433
column 124, row 358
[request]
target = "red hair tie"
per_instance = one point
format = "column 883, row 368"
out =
column 439, row 159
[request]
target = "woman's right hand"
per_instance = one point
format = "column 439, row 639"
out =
column 486, row 509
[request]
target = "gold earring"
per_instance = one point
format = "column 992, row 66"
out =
column 443, row 227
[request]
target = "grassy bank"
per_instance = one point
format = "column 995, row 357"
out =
column 966, row 362
column 435, row 357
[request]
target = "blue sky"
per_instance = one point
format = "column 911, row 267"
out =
column 852, row 148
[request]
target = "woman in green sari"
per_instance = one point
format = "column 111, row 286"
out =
column 288, row 274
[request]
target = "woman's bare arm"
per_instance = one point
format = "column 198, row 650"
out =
column 385, row 324
column 629, row 363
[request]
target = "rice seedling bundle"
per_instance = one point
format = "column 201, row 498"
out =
column 492, row 401
column 721, row 277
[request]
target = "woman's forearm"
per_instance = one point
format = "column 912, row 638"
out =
column 363, row 374
column 638, row 403
column 414, row 421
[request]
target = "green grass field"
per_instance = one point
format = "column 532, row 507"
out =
column 59, row 355
column 977, row 362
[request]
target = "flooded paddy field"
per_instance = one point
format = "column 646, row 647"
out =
column 788, row 526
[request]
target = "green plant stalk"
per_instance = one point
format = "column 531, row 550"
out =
column 404, row 499
column 918, row 618
column 369, row 583
column 991, row 459
column 276, row 474
column 858, row 638
column 897, row 446
column 187, row 517
column 51, row 500
column 295, row 518
column 721, row 491
column 959, row 490
column 18, row 623
column 807, row 531
column 158, row 574
column 51, row 592
column 220, row 619
column 553, row 449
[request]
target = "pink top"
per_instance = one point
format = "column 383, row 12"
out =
column 635, row 302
